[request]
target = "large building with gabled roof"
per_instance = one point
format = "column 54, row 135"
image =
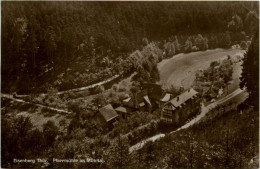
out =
column 181, row 107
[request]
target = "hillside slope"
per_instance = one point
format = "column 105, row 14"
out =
column 83, row 42
column 228, row 141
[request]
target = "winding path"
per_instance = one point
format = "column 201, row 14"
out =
column 39, row 105
column 90, row 86
column 204, row 111
column 59, row 93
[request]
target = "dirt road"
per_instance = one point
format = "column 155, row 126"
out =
column 204, row 111
column 39, row 105
column 90, row 86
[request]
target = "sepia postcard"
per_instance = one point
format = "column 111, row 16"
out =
column 130, row 84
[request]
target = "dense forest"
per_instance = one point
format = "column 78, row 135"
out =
column 44, row 41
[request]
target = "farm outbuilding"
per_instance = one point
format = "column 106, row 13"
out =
column 109, row 114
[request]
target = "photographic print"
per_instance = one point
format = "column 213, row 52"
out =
column 130, row 84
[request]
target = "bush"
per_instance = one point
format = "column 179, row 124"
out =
column 114, row 87
column 99, row 89
column 122, row 89
column 74, row 106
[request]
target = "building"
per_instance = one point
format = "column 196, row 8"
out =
column 155, row 93
column 109, row 115
column 123, row 111
column 180, row 108
column 140, row 101
column 166, row 98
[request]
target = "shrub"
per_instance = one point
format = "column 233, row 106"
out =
column 122, row 89
column 114, row 87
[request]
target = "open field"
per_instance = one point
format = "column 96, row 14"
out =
column 180, row 70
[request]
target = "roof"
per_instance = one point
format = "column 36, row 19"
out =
column 182, row 98
column 108, row 112
column 140, row 96
column 146, row 98
column 166, row 97
column 121, row 109
column 142, row 104
column 127, row 100
column 169, row 107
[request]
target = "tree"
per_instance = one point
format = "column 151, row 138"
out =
column 149, row 156
column 169, row 48
column 188, row 46
column 224, row 40
column 250, row 71
column 23, row 125
column 51, row 42
column 99, row 100
column 251, row 22
column 176, row 45
column 118, row 156
column 145, row 41
column 154, row 75
column 201, row 42
column 75, row 107
column 99, row 89
column 236, row 24
column 134, row 90
column 243, row 45
column 50, row 131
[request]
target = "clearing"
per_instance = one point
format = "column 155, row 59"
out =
column 38, row 114
column 180, row 70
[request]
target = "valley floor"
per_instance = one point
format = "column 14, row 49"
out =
column 180, row 70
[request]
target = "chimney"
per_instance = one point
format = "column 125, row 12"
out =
column 177, row 98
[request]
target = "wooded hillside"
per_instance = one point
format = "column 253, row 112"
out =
column 42, row 40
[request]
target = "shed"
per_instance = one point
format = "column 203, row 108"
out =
column 108, row 113
column 122, row 111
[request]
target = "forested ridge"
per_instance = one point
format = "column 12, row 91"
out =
column 42, row 41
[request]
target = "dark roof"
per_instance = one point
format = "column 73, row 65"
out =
column 182, row 98
column 108, row 112
column 140, row 97
column 169, row 107
column 122, row 109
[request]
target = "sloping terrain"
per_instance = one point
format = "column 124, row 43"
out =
column 38, row 115
column 228, row 141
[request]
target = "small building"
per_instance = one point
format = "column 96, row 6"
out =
column 180, row 108
column 123, row 111
column 155, row 93
column 129, row 102
column 109, row 114
column 140, row 101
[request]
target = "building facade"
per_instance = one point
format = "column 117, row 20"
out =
column 182, row 107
